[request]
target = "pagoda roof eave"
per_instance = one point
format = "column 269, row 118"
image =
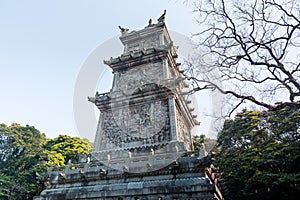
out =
column 138, row 54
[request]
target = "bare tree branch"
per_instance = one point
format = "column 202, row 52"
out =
column 253, row 45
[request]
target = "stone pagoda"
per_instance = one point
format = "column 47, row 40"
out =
column 143, row 146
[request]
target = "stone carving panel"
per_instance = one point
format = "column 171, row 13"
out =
column 136, row 125
column 133, row 47
column 126, row 82
column 151, row 42
column 147, row 42
column 182, row 130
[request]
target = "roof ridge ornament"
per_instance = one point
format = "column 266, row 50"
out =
column 123, row 30
column 162, row 18
column 150, row 22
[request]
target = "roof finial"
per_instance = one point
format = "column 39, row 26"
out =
column 162, row 17
column 123, row 30
column 150, row 22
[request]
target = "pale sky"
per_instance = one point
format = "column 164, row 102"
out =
column 43, row 45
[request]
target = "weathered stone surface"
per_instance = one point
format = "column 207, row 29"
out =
column 182, row 179
column 143, row 144
column 144, row 111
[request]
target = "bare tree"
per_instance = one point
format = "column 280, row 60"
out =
column 255, row 48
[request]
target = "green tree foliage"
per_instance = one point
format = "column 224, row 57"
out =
column 21, row 150
column 201, row 142
column 25, row 151
column 70, row 148
column 6, row 182
column 259, row 155
column 198, row 141
column 52, row 158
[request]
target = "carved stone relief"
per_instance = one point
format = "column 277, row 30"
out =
column 151, row 42
column 134, row 47
column 136, row 125
column 128, row 81
column 182, row 130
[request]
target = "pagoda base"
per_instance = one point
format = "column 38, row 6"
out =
column 185, row 178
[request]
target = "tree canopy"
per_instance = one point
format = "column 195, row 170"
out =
column 21, row 150
column 249, row 51
column 24, row 151
column 259, row 155
column 70, row 148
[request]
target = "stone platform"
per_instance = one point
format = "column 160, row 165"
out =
column 185, row 178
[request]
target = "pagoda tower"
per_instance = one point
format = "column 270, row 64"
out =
column 144, row 118
column 143, row 147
